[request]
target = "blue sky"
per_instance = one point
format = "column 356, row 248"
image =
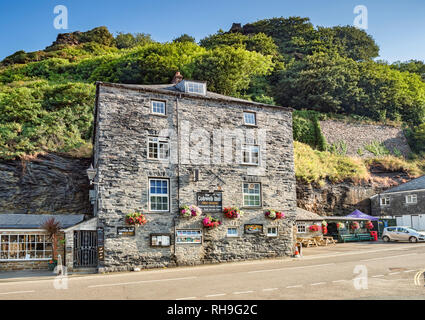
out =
column 397, row 26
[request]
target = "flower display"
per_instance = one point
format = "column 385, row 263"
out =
column 232, row 213
column 190, row 211
column 274, row 214
column 314, row 228
column 369, row 225
column 340, row 225
column 210, row 222
column 324, row 223
column 355, row 225
column 137, row 219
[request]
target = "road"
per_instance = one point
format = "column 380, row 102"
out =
column 344, row 271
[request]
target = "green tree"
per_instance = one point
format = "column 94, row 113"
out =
column 184, row 38
column 229, row 70
column 129, row 40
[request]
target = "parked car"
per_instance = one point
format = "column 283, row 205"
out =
column 402, row 234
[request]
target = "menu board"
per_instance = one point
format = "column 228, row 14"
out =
column 210, row 202
column 160, row 240
column 253, row 228
column 188, row 236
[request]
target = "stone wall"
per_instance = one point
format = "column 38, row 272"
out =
column 49, row 184
column 398, row 205
column 358, row 135
column 123, row 123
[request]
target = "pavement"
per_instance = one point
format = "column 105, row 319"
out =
column 360, row 270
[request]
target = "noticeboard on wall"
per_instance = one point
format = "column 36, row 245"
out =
column 160, row 239
column 253, row 228
column 126, row 231
column 193, row 236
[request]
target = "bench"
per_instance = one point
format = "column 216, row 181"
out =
column 348, row 237
column 355, row 237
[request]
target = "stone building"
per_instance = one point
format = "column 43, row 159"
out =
column 160, row 147
column 405, row 203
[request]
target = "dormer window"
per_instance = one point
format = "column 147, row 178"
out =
column 192, row 87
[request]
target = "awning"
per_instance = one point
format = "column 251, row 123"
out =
column 360, row 215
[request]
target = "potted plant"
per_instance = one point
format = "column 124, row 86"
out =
column 52, row 228
column 369, row 225
column 274, row 214
column 135, row 219
column 232, row 212
column 210, row 222
column 190, row 211
column 313, row 228
column 324, row 227
column 52, row 264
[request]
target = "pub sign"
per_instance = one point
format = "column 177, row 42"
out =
column 210, row 202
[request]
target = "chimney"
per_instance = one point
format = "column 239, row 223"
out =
column 177, row 78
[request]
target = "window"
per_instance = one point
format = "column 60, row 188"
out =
column 160, row 240
column 251, row 195
column 195, row 87
column 158, row 195
column 411, row 198
column 250, row 154
column 385, row 201
column 232, row 232
column 272, row 232
column 250, row 118
column 25, row 247
column 158, row 107
column 158, row 148
column 189, row 236
column 301, row 228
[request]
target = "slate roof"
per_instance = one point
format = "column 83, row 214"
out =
column 415, row 184
column 171, row 89
column 35, row 221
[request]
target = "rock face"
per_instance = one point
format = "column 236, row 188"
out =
column 356, row 136
column 343, row 198
column 49, row 184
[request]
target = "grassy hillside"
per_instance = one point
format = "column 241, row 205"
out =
column 47, row 96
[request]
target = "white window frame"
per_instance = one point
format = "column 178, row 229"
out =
column 158, row 194
column 45, row 242
column 249, row 149
column 385, row 201
column 195, row 87
column 302, row 225
column 272, row 234
column 159, row 142
column 153, row 107
column 250, row 113
column 251, row 194
column 411, row 199
column 232, row 235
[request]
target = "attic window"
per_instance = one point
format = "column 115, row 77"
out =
column 192, row 87
column 195, row 87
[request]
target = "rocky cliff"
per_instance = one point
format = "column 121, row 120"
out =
column 343, row 198
column 48, row 184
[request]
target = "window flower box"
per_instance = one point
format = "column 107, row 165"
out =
column 210, row 222
column 232, row 212
column 314, row 228
column 274, row 214
column 190, row 211
column 135, row 219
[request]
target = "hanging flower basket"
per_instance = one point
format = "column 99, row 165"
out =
column 369, row 225
column 190, row 211
column 314, row 228
column 340, row 225
column 135, row 219
column 210, row 222
column 232, row 212
column 355, row 225
column 274, row 214
column 324, row 223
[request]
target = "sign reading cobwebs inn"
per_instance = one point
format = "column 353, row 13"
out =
column 210, row 202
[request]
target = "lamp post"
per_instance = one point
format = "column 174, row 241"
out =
column 91, row 174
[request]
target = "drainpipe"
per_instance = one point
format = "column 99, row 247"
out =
column 178, row 165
